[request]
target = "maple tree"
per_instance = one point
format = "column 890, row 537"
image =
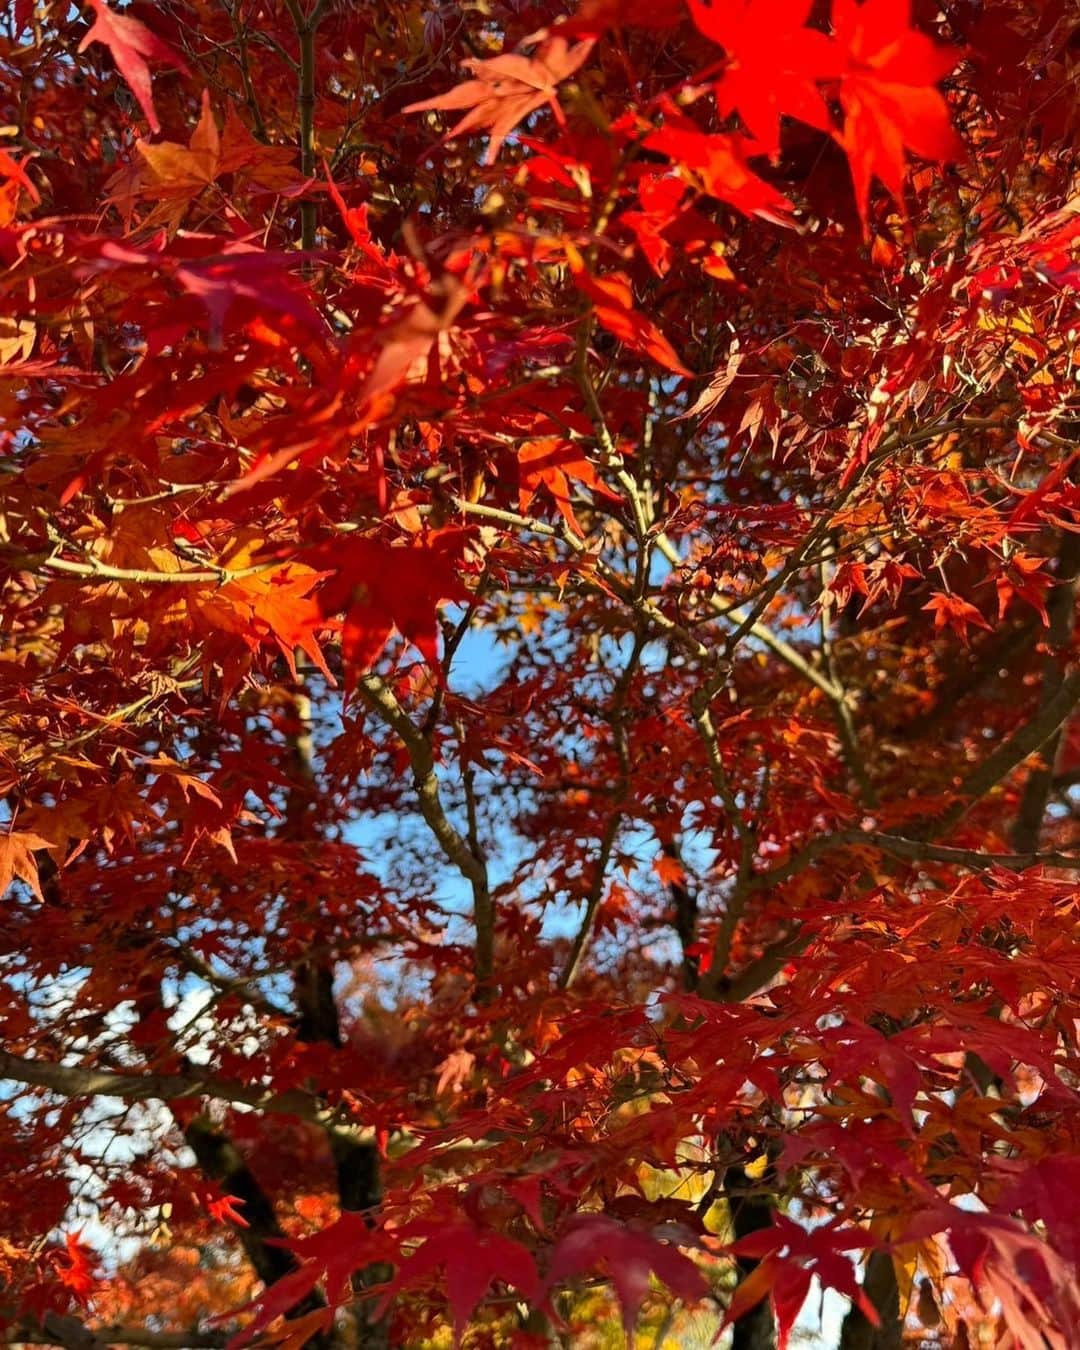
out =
column 539, row 554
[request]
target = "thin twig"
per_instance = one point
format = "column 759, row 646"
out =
column 382, row 700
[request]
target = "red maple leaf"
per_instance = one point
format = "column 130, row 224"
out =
column 328, row 1258
column 630, row 1256
column 76, row 1272
column 472, row 1259
column 774, row 63
column 889, row 95
column 1023, row 579
column 1022, row 1275
column 790, row 1256
column 243, row 275
column 131, row 44
column 382, row 587
column 508, row 88
column 718, row 163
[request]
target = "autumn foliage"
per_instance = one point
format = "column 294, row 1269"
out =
column 538, row 561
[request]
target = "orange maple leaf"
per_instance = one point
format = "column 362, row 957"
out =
column 613, row 306
column 508, row 88
column 179, row 170
column 551, row 462
column 950, row 611
column 14, row 171
column 17, row 860
column 670, row 870
column 225, row 1210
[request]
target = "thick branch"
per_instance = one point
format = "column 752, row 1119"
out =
column 68, row 1331
column 260, row 1234
column 916, row 850
column 761, row 970
column 61, row 1329
column 77, row 1081
column 306, row 26
column 1013, row 751
column 1061, row 609
column 684, row 911
column 751, row 1211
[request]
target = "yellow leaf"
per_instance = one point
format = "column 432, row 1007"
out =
column 17, row 338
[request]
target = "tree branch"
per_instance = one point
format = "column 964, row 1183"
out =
column 232, row 986
column 70, row 1332
column 761, row 970
column 736, row 901
column 1015, row 749
column 77, row 1081
column 592, row 903
column 381, row 699
column 769, row 964
column 142, row 576
column 1061, row 609
column 260, row 1234
column 912, row 850
column 306, row 26
column 776, row 644
column 611, row 830
column 917, row 850
column 880, row 1287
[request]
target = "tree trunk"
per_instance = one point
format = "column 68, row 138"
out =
column 880, row 1287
